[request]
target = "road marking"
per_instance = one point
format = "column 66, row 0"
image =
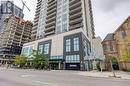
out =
column 50, row 84
column 26, row 75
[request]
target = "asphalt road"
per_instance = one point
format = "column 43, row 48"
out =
column 15, row 77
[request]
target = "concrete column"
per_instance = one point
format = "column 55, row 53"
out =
column 94, row 65
column 88, row 66
column 59, row 65
column 64, row 66
column 81, row 65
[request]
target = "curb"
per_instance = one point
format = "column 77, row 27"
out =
column 109, row 77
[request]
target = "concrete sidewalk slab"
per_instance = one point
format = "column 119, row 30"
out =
column 119, row 74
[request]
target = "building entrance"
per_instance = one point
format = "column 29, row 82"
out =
column 56, row 65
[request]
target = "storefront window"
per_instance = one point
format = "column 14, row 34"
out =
column 73, row 59
column 30, row 51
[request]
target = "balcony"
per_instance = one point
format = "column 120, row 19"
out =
column 50, row 24
column 19, row 29
column 34, row 31
column 25, row 41
column 52, row 3
column 25, row 38
column 36, row 20
column 27, row 30
column 39, row 3
column 38, row 6
column 51, row 19
column 26, row 34
column 51, row 15
column 37, row 14
column 35, row 25
column 38, row 10
column 50, row 28
column 18, row 32
column 76, row 21
column 74, row 16
column 36, row 17
column 33, row 36
column 17, row 36
column 16, row 42
column 51, row 11
column 75, row 4
column 50, row 33
column 76, row 10
column 76, row 26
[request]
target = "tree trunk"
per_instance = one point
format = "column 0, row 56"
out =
column 114, row 75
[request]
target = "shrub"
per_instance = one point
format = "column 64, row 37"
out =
column 20, row 61
column 98, row 66
column 40, row 61
column 128, row 69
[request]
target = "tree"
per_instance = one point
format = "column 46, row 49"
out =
column 20, row 60
column 126, row 57
column 112, row 59
column 40, row 61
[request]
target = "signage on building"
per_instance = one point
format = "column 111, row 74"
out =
column 21, row 21
column 73, row 65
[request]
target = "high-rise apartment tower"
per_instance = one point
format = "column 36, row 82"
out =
column 63, row 29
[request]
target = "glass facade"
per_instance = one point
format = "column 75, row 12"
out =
column 46, row 48
column 27, row 51
column 42, row 19
column 76, row 44
column 62, row 16
column 87, row 48
column 56, row 57
column 40, row 49
column 30, row 50
column 72, row 59
column 68, row 45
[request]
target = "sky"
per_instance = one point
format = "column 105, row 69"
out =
column 108, row 14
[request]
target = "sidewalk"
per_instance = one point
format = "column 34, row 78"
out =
column 119, row 74
column 3, row 67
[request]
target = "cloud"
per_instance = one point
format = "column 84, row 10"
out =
column 109, row 5
column 31, row 5
column 109, row 14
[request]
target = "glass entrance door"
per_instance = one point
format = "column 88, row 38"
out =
column 54, row 66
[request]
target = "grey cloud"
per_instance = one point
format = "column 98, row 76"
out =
column 109, row 15
column 109, row 5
